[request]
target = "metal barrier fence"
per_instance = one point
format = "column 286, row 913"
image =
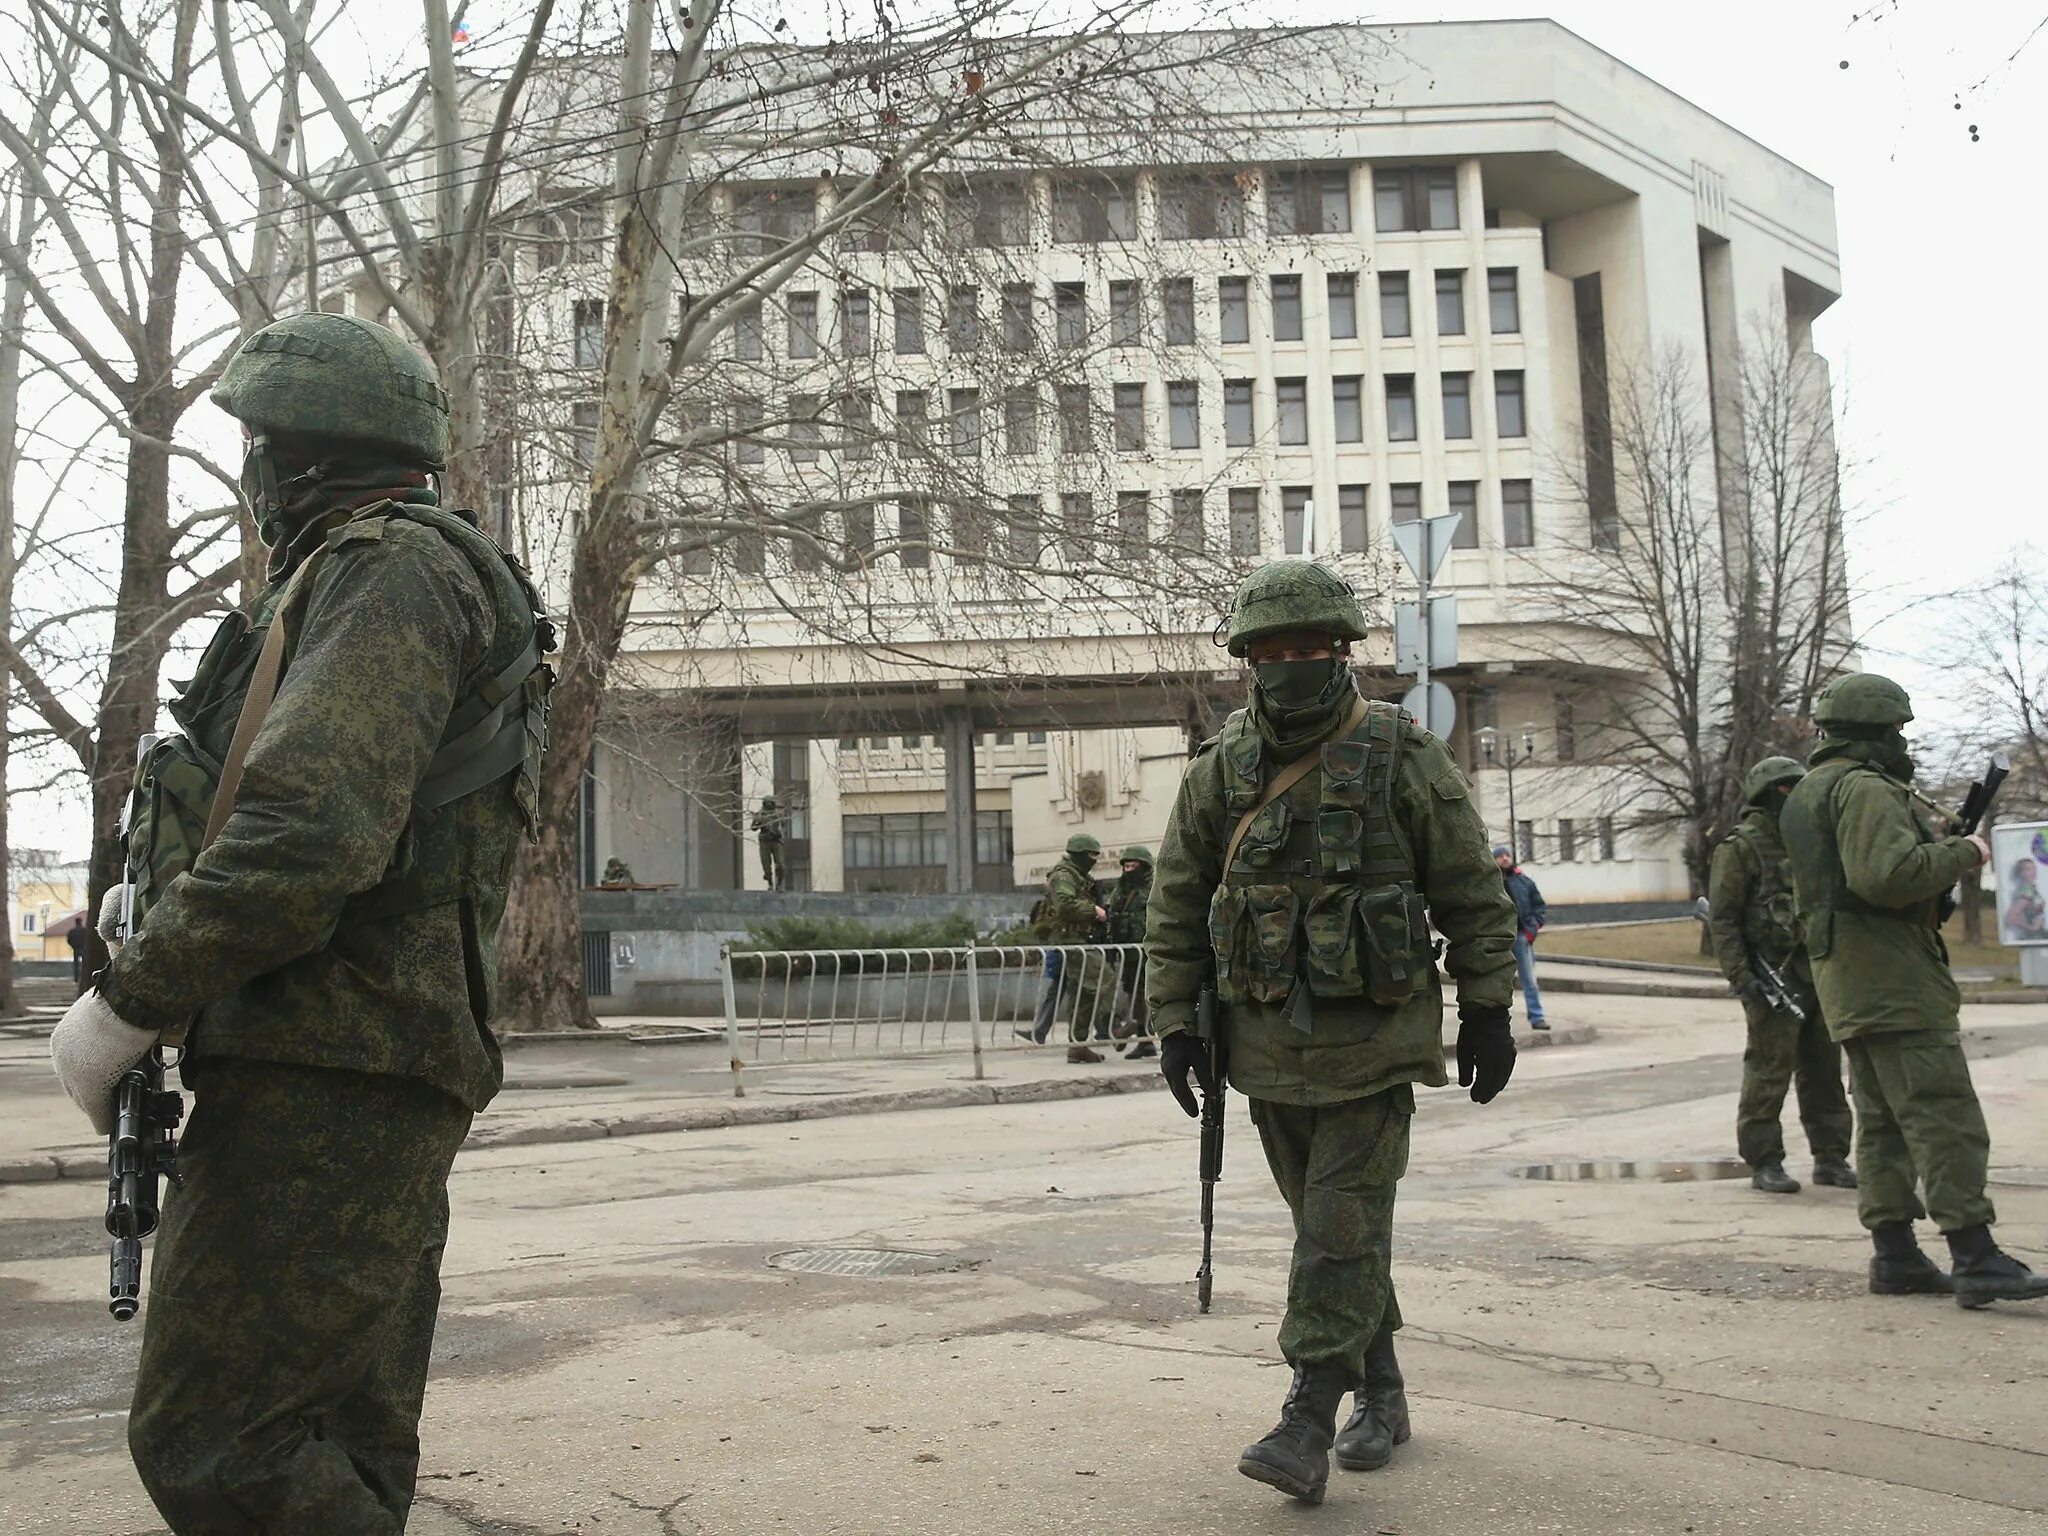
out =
column 835, row 1004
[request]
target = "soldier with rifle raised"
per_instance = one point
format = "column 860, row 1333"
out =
column 1313, row 842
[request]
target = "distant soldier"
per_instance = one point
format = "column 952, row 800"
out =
column 1068, row 916
column 1753, row 917
column 1868, row 871
column 769, row 827
column 616, row 872
column 1128, row 899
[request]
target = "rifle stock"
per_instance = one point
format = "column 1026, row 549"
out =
column 1209, row 1029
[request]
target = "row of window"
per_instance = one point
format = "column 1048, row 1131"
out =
column 969, row 424
column 1573, row 839
column 918, row 743
column 917, row 839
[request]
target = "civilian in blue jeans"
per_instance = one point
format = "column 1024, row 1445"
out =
column 1530, row 916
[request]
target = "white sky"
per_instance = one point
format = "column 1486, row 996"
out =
column 1937, row 340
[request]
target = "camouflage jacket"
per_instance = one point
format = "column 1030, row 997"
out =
column 1126, row 906
column 1356, row 1047
column 1069, row 903
column 267, row 940
column 1750, row 907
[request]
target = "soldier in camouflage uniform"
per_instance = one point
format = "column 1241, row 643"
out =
column 1869, row 870
column 768, row 831
column 1317, row 934
column 1128, row 899
column 1752, row 916
column 1068, row 916
column 329, row 958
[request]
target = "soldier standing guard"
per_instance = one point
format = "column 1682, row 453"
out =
column 1752, row 917
column 1312, row 844
column 769, row 830
column 1128, row 900
column 328, row 958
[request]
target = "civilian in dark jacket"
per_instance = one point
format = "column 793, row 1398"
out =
column 1530, row 916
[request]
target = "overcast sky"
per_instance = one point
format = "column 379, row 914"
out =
column 1937, row 339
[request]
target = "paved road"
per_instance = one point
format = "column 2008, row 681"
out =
column 618, row 1355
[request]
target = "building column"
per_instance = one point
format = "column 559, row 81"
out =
column 956, row 731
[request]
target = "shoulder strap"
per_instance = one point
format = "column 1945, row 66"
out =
column 1288, row 777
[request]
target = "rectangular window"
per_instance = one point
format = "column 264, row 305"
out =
column 1525, row 842
column 1077, row 527
column 1415, row 197
column 994, row 832
column 1233, row 310
column 1347, row 403
column 804, row 428
column 1343, row 297
column 1290, row 399
column 746, row 427
column 1567, row 841
column 583, row 420
column 1017, row 326
column 1507, row 403
column 1333, row 201
column 856, row 322
column 1187, row 524
column 963, row 410
column 782, row 213
column 859, row 523
column 1177, row 305
column 1401, row 407
column 909, row 307
column 1517, row 515
column 1457, row 392
column 1070, row 314
column 1351, row 519
column 1000, row 212
column 1244, row 521
column 963, row 320
column 1020, row 423
column 1464, row 501
column 1130, row 418
column 1074, row 406
column 1450, row 303
column 1394, row 319
column 1605, row 831
column 1286, row 308
column 970, row 533
column 1238, row 428
column 1133, row 523
column 1184, row 414
column 1308, row 202
column 1024, row 529
column 1503, row 302
column 1201, row 208
column 913, row 425
column 747, row 335
column 1567, row 730
column 1126, row 314
column 803, row 325
column 1406, row 500
column 1294, row 503
column 587, row 316
column 914, row 535
column 1090, row 210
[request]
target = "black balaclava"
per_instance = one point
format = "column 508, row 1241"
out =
column 1295, row 704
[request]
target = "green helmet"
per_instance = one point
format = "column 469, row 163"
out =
column 338, row 376
column 1863, row 698
column 1082, row 842
column 1772, row 770
column 1293, row 594
column 1136, row 853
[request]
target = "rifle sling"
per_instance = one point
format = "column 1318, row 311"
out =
column 1290, row 776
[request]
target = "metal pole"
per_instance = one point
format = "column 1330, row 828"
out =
column 1514, row 838
column 974, row 1010
column 732, row 1017
column 1422, row 629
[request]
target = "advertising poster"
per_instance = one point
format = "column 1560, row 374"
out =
column 2019, row 857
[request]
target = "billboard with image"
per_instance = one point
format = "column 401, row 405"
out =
column 2019, row 858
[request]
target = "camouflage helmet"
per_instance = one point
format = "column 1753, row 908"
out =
column 1772, row 770
column 1293, row 594
column 1082, row 842
column 338, row 376
column 1863, row 698
column 1137, row 853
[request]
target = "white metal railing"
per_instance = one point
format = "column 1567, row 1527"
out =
column 826, row 1004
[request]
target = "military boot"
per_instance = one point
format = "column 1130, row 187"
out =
column 1985, row 1273
column 1295, row 1457
column 1379, row 1418
column 1834, row 1171
column 1142, row 1049
column 1079, row 1055
column 1772, row 1179
column 1899, row 1268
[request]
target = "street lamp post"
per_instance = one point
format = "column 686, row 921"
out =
column 1490, row 743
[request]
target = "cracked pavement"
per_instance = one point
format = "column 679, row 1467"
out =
column 616, row 1356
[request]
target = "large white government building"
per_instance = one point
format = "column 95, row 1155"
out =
column 1406, row 299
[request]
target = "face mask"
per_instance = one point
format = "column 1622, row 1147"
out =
column 1293, row 684
column 1085, row 860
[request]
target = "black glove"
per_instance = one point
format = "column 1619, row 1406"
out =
column 1181, row 1055
column 1486, row 1049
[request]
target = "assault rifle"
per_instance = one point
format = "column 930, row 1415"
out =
column 1770, row 981
column 1976, row 806
column 1209, row 1030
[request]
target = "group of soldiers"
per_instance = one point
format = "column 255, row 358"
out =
column 322, row 944
column 1104, row 994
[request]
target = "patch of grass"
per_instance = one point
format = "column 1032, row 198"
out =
column 1677, row 942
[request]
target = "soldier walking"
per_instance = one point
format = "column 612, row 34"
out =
column 1128, row 900
column 1068, row 916
column 1869, row 871
column 1752, row 917
column 328, row 959
column 769, row 825
column 1311, row 820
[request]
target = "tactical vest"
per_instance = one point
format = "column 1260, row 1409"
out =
column 1329, row 899
column 497, row 730
column 1770, row 922
column 1808, row 825
column 1126, row 904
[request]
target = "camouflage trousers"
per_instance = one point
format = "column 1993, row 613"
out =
column 1337, row 1165
column 773, row 871
column 1780, row 1050
column 292, row 1299
column 1918, row 1126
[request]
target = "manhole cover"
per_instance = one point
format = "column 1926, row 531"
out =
column 1658, row 1173
column 862, row 1261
